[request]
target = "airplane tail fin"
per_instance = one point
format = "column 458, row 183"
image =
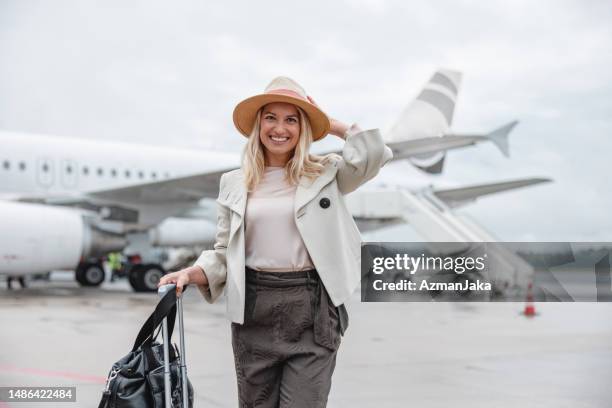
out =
column 429, row 115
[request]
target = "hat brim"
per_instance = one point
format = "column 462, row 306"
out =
column 246, row 112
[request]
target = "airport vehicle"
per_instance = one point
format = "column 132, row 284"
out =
column 66, row 203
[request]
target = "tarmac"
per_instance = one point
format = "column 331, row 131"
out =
column 393, row 355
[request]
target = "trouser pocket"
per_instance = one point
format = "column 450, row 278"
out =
column 250, row 302
column 326, row 321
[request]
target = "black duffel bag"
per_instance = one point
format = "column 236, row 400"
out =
column 137, row 380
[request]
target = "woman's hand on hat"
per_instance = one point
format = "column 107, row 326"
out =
column 337, row 127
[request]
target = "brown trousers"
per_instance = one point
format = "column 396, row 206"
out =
column 285, row 352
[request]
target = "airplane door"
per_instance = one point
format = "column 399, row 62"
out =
column 69, row 172
column 45, row 172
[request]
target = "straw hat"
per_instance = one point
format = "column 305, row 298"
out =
column 281, row 89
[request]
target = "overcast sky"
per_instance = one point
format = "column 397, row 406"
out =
column 171, row 72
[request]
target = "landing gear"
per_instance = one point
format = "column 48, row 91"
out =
column 89, row 273
column 144, row 277
column 20, row 279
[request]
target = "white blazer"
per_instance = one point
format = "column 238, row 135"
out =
column 325, row 225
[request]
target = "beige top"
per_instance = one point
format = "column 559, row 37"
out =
column 273, row 242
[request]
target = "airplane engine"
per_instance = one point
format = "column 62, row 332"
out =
column 40, row 238
column 175, row 232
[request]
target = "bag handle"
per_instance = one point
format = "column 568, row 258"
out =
column 165, row 308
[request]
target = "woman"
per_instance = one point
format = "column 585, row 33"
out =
column 287, row 251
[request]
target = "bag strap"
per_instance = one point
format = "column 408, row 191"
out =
column 104, row 400
column 165, row 308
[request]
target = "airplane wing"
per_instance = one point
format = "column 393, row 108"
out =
column 383, row 208
column 174, row 190
column 142, row 204
column 456, row 197
column 179, row 189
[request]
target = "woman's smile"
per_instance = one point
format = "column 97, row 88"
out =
column 279, row 139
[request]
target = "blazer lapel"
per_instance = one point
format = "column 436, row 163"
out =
column 240, row 199
column 307, row 190
column 234, row 194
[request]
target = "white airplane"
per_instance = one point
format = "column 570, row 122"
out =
column 65, row 203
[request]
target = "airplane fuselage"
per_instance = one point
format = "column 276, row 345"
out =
column 37, row 164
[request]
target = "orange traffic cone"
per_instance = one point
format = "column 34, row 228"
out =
column 529, row 306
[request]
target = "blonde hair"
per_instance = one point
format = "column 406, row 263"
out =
column 302, row 163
